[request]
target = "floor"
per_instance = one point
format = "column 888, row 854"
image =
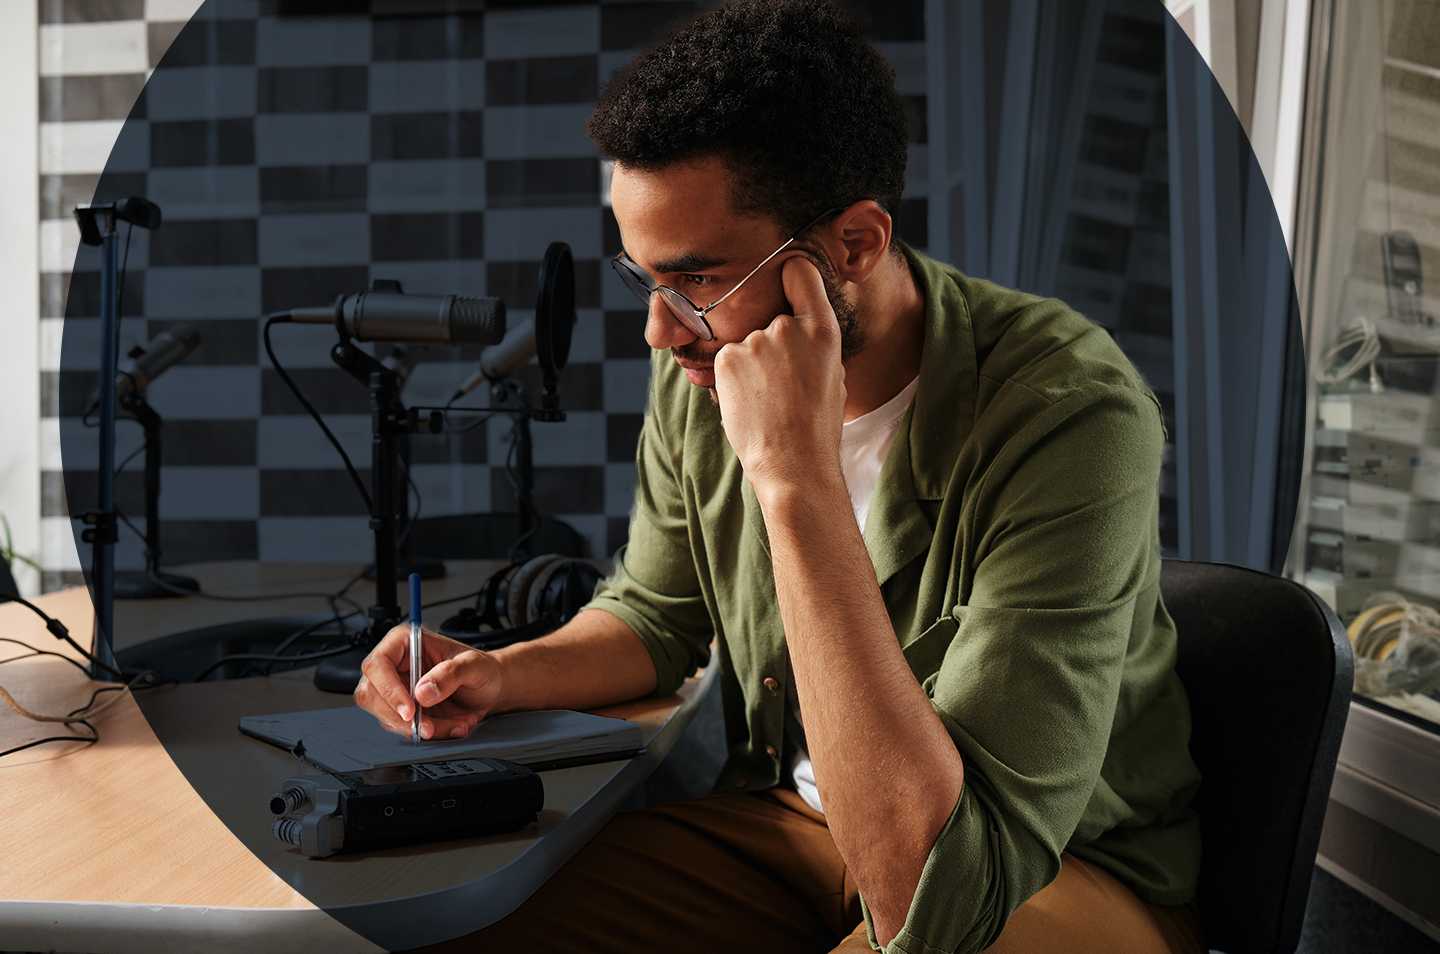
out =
column 1340, row 920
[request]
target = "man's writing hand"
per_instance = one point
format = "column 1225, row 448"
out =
column 782, row 389
column 459, row 687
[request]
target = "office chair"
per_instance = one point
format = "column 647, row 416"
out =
column 1268, row 671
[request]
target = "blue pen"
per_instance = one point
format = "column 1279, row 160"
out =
column 415, row 657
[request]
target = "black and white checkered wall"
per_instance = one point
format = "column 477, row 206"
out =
column 299, row 155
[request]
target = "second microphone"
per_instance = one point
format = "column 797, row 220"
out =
column 419, row 319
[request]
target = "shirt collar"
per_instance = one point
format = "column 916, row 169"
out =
column 945, row 403
column 922, row 459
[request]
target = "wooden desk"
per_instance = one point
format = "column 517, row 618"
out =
column 118, row 846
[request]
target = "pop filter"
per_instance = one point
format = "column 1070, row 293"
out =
column 555, row 309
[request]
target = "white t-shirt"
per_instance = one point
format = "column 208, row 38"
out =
column 864, row 442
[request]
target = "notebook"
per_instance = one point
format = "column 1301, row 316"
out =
column 348, row 739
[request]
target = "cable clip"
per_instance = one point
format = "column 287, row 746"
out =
column 102, row 527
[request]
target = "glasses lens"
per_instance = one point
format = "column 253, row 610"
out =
column 684, row 311
column 632, row 279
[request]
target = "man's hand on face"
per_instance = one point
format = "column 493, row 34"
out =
column 782, row 389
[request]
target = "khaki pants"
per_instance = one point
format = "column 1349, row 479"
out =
column 759, row 872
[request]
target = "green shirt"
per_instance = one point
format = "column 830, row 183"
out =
column 1015, row 536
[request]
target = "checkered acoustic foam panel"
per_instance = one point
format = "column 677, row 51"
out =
column 298, row 154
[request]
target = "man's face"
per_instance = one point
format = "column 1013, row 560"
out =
column 678, row 225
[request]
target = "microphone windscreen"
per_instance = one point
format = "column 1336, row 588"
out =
column 479, row 320
column 138, row 210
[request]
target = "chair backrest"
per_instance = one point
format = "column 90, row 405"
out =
column 1268, row 671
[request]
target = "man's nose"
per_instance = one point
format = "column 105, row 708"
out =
column 663, row 330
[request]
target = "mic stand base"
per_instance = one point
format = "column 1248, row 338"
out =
column 140, row 585
column 340, row 673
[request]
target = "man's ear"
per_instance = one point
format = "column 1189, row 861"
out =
column 857, row 240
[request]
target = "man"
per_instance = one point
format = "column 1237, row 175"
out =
column 917, row 515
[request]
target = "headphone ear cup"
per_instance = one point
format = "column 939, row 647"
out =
column 491, row 604
column 560, row 589
column 537, row 605
column 571, row 590
column 517, row 597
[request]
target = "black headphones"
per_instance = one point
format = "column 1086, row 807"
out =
column 523, row 600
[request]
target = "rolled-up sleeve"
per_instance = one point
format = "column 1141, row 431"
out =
column 654, row 588
column 1066, row 545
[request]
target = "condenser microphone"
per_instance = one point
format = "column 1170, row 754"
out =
column 418, row 319
column 502, row 360
column 135, row 209
column 146, row 363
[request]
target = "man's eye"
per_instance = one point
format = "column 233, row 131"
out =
column 698, row 280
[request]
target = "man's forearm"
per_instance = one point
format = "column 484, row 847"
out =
column 886, row 767
column 593, row 660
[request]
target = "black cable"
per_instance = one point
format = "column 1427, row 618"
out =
column 133, row 687
column 222, row 597
column 42, row 652
column 228, row 598
column 90, row 739
column 129, row 457
column 269, row 657
column 339, row 619
column 294, row 389
column 60, row 632
column 485, row 416
column 288, row 641
column 120, row 515
column 93, row 696
column 334, row 597
column 351, row 582
column 143, row 681
column 147, row 677
column 78, row 715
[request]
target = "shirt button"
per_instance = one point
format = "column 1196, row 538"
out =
column 770, row 751
column 769, row 683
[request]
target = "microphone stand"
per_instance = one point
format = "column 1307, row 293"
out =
column 390, row 422
column 409, row 562
column 151, row 582
column 509, row 395
column 101, row 223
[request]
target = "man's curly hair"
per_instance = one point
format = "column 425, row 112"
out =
column 788, row 92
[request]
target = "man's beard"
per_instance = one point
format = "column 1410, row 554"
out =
column 847, row 316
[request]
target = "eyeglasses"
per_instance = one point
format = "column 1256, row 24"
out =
column 689, row 314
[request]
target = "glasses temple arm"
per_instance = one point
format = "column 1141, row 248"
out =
column 707, row 309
